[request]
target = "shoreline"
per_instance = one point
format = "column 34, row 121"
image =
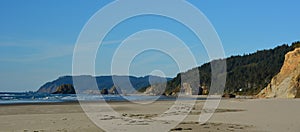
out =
column 108, row 100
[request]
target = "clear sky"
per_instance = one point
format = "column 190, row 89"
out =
column 37, row 38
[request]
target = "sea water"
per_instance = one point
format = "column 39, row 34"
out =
column 20, row 98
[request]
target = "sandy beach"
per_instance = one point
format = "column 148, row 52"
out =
column 238, row 115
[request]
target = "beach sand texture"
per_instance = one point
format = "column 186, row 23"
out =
column 233, row 115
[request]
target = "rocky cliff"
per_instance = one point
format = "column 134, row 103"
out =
column 286, row 84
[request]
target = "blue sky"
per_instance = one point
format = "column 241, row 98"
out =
column 37, row 37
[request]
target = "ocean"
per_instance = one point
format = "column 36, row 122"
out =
column 24, row 98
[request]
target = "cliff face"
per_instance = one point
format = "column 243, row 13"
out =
column 286, row 84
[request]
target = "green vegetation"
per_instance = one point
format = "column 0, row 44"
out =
column 296, row 44
column 249, row 73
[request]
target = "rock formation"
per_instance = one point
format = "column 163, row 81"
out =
column 114, row 90
column 104, row 91
column 65, row 89
column 187, row 90
column 286, row 84
column 157, row 89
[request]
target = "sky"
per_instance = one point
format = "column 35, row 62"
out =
column 37, row 38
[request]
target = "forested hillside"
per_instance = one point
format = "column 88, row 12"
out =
column 250, row 72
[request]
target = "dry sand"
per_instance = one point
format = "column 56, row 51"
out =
column 250, row 115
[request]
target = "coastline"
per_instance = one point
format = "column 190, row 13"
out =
column 60, row 98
